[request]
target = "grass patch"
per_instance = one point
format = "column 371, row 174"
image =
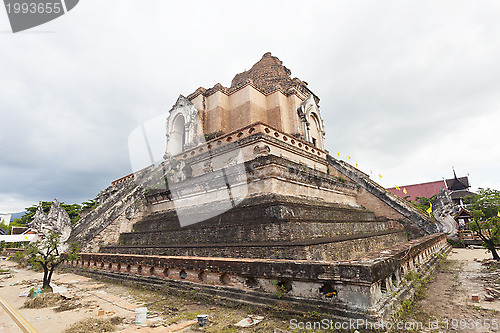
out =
column 418, row 283
column 182, row 316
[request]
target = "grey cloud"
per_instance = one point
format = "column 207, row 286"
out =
column 398, row 82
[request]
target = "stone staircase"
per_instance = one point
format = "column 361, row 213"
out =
column 266, row 227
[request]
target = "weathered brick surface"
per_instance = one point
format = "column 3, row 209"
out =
column 258, row 219
column 332, row 249
column 267, row 75
column 261, row 209
column 254, row 231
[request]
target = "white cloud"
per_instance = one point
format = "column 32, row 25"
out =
column 407, row 88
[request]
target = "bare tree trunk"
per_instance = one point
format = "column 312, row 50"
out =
column 50, row 274
column 46, row 279
column 491, row 246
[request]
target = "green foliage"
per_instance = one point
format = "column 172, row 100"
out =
column 30, row 212
column 150, row 189
column 45, row 252
column 486, row 203
column 423, row 203
column 4, row 225
column 73, row 252
column 342, row 180
column 90, row 204
column 73, row 211
column 19, row 257
column 412, row 277
column 210, row 136
column 159, row 184
column 280, row 289
column 15, row 223
column 485, row 209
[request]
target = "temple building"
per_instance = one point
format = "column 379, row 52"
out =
column 248, row 202
column 457, row 187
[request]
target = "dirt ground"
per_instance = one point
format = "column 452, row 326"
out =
column 446, row 307
column 166, row 313
column 448, row 304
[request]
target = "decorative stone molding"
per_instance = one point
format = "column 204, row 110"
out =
column 249, row 130
column 207, row 166
column 261, row 151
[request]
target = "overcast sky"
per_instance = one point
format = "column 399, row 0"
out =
column 407, row 88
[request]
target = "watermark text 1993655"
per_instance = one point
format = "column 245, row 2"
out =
column 26, row 14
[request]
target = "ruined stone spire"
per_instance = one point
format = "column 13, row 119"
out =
column 268, row 75
column 56, row 220
column 39, row 219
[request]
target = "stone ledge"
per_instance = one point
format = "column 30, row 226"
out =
column 231, row 296
column 348, row 289
column 303, row 242
column 368, row 269
column 249, row 133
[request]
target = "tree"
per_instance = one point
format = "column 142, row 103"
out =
column 46, row 252
column 30, row 212
column 90, row 204
column 4, row 225
column 424, row 203
column 485, row 209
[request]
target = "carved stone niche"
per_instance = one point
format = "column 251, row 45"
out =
column 208, row 166
column 313, row 128
column 261, row 150
column 183, row 126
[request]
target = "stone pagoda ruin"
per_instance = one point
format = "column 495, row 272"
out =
column 248, row 206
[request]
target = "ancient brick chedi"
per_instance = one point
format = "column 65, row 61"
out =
column 248, row 205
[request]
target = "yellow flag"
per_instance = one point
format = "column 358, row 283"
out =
column 348, row 157
column 26, row 237
column 356, row 164
column 405, row 191
column 429, row 210
column 380, row 176
column 397, row 188
column 338, row 153
column 371, row 172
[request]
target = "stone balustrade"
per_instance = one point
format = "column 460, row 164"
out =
column 362, row 286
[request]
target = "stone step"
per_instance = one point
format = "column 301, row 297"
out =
column 347, row 247
column 256, row 231
column 254, row 210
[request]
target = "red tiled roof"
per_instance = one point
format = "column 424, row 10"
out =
column 426, row 190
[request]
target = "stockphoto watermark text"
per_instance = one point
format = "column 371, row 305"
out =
column 363, row 324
